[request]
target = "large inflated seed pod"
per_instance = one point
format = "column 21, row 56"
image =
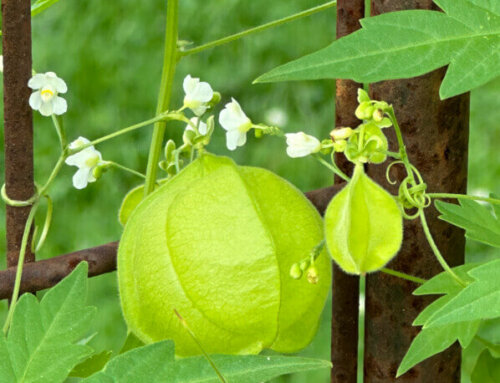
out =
column 216, row 243
column 363, row 225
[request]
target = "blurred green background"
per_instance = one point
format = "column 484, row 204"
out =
column 110, row 55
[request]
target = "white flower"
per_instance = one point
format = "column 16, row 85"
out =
column 202, row 127
column 236, row 123
column 301, row 144
column 1, row 63
column 86, row 161
column 198, row 94
column 45, row 99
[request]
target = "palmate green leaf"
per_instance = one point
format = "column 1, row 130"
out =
column 487, row 369
column 479, row 300
column 155, row 363
column 431, row 341
column 91, row 365
column 479, row 222
column 41, row 343
column 410, row 43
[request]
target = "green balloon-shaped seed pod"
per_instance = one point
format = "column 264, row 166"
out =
column 216, row 243
column 363, row 225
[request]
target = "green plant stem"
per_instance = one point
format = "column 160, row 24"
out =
column 53, row 175
column 119, row 133
column 494, row 201
column 401, row 144
column 399, row 274
column 61, row 133
column 334, row 169
column 167, row 79
column 20, row 264
column 258, row 29
column 436, row 251
column 394, row 155
column 119, row 166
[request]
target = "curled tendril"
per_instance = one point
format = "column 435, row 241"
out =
column 17, row 203
column 36, row 245
column 412, row 191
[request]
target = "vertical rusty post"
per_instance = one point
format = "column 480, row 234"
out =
column 345, row 290
column 436, row 136
column 18, row 125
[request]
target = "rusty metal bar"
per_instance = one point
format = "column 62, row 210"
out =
column 44, row 274
column 436, row 135
column 101, row 259
column 18, row 125
column 345, row 288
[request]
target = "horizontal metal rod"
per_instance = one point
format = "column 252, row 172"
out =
column 101, row 259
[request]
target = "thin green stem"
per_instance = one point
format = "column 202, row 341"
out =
column 436, row 251
column 53, row 175
column 399, row 274
column 20, row 264
column 493, row 201
column 260, row 28
column 132, row 171
column 120, row 132
column 167, row 79
column 402, row 147
column 334, row 169
column 61, row 133
column 394, row 155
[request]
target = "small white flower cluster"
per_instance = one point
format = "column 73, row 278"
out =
column 45, row 99
column 236, row 123
column 198, row 95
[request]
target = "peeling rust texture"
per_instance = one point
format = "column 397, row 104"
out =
column 436, row 136
column 18, row 129
column 345, row 288
column 101, row 259
column 44, row 274
column 320, row 198
column 349, row 12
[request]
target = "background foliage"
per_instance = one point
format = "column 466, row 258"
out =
column 110, row 55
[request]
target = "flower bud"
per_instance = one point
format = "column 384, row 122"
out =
column 364, row 111
column 215, row 100
column 99, row 170
column 188, row 137
column 169, row 150
column 295, row 271
column 163, row 165
column 312, row 275
column 258, row 133
column 304, row 265
column 362, row 95
column 341, row 133
column 340, row 146
column 378, row 115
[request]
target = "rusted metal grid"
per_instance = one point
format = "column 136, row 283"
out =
column 436, row 134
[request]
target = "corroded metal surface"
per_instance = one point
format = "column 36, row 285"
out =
column 345, row 288
column 436, row 136
column 349, row 12
column 18, row 131
column 44, row 274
